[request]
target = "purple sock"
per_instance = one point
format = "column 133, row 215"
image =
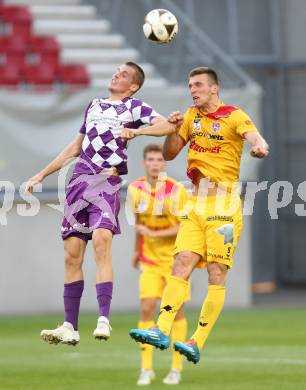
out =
column 72, row 298
column 104, row 296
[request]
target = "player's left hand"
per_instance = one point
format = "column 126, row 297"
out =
column 127, row 134
column 32, row 182
column 259, row 151
column 144, row 230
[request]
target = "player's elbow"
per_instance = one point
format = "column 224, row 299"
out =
column 75, row 149
column 168, row 156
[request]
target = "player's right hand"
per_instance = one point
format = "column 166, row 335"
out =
column 259, row 151
column 176, row 118
column 31, row 183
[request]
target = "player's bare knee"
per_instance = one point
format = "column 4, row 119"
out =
column 100, row 251
column 182, row 266
column 73, row 259
column 74, row 252
column 101, row 243
column 102, row 237
column 217, row 273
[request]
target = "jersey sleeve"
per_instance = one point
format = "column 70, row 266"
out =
column 134, row 195
column 131, row 196
column 184, row 129
column 142, row 113
column 83, row 127
column 244, row 124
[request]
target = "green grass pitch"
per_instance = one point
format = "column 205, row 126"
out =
column 248, row 350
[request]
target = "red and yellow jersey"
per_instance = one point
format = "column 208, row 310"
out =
column 215, row 142
column 157, row 208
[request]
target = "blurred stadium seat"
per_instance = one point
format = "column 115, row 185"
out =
column 39, row 76
column 27, row 58
column 47, row 50
column 18, row 19
column 14, row 49
column 74, row 76
column 9, row 76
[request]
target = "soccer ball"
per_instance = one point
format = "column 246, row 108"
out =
column 160, row 26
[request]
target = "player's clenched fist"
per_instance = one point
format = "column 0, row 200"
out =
column 31, row 183
column 259, row 151
column 176, row 118
column 128, row 134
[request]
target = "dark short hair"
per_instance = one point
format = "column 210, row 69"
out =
column 152, row 148
column 204, row 70
column 139, row 76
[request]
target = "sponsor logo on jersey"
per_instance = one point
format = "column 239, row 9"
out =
column 197, row 122
column 197, row 125
column 216, row 137
column 216, row 126
column 203, row 149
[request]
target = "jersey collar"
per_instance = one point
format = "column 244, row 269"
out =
column 222, row 111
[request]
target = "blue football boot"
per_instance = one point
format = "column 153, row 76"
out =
column 152, row 336
column 188, row 349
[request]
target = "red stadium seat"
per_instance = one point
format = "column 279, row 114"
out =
column 74, row 76
column 39, row 76
column 19, row 18
column 47, row 48
column 9, row 76
column 34, row 60
column 2, row 7
column 14, row 49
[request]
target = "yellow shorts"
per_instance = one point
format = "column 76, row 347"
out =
column 212, row 229
column 152, row 283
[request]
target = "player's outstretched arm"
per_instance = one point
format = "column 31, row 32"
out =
column 70, row 151
column 160, row 127
column 260, row 147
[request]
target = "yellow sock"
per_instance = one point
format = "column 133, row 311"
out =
column 146, row 350
column 210, row 311
column 172, row 300
column 179, row 332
